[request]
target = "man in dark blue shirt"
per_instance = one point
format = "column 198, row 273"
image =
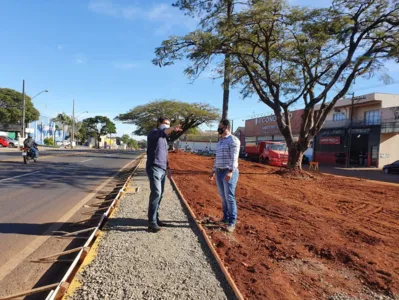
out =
column 157, row 166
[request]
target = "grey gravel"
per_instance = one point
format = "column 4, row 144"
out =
column 134, row 264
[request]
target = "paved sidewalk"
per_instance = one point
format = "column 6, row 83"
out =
column 132, row 263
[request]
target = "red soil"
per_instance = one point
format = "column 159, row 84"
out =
column 299, row 238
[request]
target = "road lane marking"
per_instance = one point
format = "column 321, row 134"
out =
column 18, row 176
column 86, row 160
column 19, row 257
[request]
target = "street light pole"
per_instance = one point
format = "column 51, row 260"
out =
column 23, row 109
column 74, row 121
column 24, row 106
column 73, row 124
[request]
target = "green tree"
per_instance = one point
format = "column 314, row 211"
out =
column 210, row 13
column 64, row 120
column 291, row 55
column 189, row 115
column 11, row 107
column 98, row 126
column 132, row 143
column 125, row 138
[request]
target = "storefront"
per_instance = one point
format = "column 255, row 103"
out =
column 368, row 136
column 331, row 146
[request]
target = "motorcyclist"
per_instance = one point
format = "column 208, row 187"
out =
column 31, row 144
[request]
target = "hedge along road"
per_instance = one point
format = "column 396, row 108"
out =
column 36, row 196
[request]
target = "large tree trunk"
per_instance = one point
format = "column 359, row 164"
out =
column 295, row 156
column 296, row 150
column 227, row 66
column 226, row 87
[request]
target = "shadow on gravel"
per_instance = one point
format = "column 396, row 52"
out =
column 128, row 224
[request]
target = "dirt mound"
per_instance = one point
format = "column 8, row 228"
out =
column 294, row 174
column 300, row 239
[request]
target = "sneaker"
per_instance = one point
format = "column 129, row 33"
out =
column 153, row 228
column 230, row 228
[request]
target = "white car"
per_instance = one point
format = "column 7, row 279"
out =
column 13, row 143
column 64, row 143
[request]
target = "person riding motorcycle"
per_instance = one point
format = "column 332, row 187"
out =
column 31, row 144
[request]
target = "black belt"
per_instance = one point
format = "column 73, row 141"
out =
column 221, row 169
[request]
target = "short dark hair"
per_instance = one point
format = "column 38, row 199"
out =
column 162, row 119
column 225, row 122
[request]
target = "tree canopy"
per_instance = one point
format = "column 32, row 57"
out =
column 11, row 107
column 98, row 126
column 292, row 55
column 189, row 115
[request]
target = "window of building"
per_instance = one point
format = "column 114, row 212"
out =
column 372, row 117
column 339, row 116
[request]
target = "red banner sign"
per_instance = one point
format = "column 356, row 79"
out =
column 330, row 140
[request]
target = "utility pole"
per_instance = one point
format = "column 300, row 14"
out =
column 348, row 150
column 227, row 65
column 73, row 124
column 23, row 109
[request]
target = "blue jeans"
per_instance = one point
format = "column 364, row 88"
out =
column 227, row 191
column 157, row 177
column 35, row 152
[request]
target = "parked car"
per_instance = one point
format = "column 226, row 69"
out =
column 13, row 143
column 391, row 168
column 4, row 142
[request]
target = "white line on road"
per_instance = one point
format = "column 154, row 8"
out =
column 86, row 160
column 18, row 258
column 18, row 176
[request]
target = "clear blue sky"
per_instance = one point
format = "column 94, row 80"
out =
column 99, row 53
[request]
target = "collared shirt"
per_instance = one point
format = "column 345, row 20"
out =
column 227, row 151
column 157, row 149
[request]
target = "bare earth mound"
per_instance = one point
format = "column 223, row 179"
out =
column 300, row 239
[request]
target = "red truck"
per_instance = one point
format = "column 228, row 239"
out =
column 270, row 153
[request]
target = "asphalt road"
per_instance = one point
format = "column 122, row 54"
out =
column 34, row 196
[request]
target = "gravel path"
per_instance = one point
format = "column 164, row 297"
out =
column 134, row 264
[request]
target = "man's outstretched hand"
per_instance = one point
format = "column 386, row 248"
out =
column 176, row 128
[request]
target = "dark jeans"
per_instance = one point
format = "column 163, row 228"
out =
column 35, row 152
column 157, row 177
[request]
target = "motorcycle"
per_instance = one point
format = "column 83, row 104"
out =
column 28, row 155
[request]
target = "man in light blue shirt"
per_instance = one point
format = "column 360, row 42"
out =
column 226, row 172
